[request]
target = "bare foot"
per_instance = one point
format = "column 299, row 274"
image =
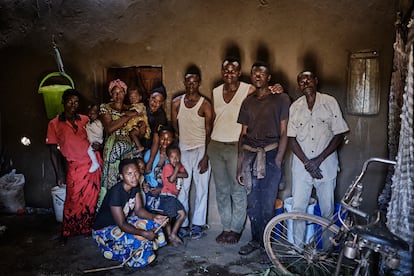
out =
column 175, row 240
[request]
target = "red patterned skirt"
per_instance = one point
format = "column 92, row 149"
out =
column 82, row 190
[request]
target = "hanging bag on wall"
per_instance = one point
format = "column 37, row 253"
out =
column 52, row 93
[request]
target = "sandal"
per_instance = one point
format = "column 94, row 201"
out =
column 222, row 238
column 249, row 248
column 196, row 232
column 233, row 237
column 183, row 232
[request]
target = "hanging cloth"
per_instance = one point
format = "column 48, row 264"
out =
column 394, row 109
column 400, row 216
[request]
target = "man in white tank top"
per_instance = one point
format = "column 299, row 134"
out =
column 191, row 115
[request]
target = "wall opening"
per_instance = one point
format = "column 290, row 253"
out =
column 145, row 78
column 363, row 93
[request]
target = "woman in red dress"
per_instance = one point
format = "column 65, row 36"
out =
column 66, row 133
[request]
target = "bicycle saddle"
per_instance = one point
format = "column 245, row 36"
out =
column 379, row 234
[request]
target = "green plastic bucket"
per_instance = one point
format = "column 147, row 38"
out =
column 52, row 94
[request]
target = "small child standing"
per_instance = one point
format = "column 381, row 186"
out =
column 173, row 173
column 137, row 126
column 94, row 130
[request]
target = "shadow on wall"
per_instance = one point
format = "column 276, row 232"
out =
column 233, row 50
column 311, row 62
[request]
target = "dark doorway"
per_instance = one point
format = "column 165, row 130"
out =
column 145, row 78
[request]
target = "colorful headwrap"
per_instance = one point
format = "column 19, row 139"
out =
column 118, row 83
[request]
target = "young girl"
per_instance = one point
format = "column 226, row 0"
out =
column 166, row 138
column 94, row 130
column 122, row 225
column 173, row 173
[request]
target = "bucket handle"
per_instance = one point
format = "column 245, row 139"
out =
column 57, row 74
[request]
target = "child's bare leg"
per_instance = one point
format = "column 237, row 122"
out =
column 92, row 156
column 178, row 222
column 135, row 138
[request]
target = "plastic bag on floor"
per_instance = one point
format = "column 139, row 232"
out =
column 11, row 192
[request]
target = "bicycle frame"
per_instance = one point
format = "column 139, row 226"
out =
column 360, row 240
column 332, row 248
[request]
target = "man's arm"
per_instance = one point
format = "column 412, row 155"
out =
column 283, row 142
column 275, row 89
column 332, row 146
column 213, row 111
column 240, row 155
column 208, row 116
column 297, row 150
column 315, row 172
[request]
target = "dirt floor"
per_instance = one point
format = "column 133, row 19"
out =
column 30, row 246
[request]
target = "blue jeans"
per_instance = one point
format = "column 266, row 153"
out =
column 261, row 200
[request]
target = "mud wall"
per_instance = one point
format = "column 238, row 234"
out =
column 95, row 35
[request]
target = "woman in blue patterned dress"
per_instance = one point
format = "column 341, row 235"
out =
column 122, row 226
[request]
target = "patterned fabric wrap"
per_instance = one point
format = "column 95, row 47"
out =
column 117, row 245
column 118, row 150
column 118, row 83
column 118, row 146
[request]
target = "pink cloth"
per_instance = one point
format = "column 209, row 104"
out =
column 118, row 83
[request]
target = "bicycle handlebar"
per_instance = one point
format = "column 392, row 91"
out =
column 374, row 159
column 354, row 184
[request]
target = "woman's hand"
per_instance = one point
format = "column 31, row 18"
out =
column 130, row 113
column 149, row 235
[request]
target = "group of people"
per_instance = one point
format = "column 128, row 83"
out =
column 148, row 167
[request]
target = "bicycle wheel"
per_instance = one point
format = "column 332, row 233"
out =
column 314, row 254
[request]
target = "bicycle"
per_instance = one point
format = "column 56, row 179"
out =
column 341, row 245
